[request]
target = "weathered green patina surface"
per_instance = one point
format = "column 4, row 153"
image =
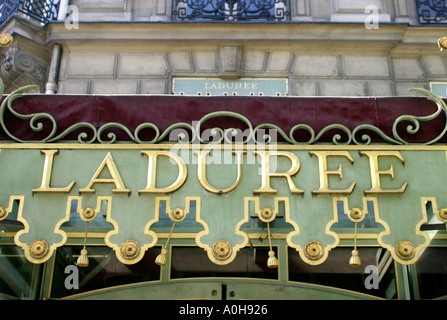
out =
column 222, row 187
column 140, row 185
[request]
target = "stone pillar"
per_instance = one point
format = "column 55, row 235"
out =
column 20, row 68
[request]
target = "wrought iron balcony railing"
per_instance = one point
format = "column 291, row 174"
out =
column 42, row 11
column 432, row 11
column 231, row 10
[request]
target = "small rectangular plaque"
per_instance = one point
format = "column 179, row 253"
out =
column 225, row 87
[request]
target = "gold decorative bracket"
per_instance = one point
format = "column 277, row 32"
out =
column 312, row 250
column 404, row 250
column 129, row 251
column 39, row 251
column 221, row 252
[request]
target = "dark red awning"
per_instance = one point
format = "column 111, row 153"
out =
column 163, row 111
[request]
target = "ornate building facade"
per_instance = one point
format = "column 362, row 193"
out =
column 322, row 48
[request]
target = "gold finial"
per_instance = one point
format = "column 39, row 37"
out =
column 38, row 249
column 177, row 215
column 3, row 213
column 442, row 214
column 356, row 214
column 406, row 250
column 222, row 250
column 314, row 250
column 267, row 213
column 88, row 214
column 272, row 261
column 5, row 40
column 442, row 43
column 129, row 249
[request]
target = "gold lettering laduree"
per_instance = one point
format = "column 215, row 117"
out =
column 324, row 172
column 201, row 172
column 116, row 177
column 231, row 85
column 46, row 176
column 265, row 173
column 152, row 172
column 376, row 187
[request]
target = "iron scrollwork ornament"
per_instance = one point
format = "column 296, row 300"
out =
column 432, row 11
column 231, row 10
column 185, row 133
column 41, row 11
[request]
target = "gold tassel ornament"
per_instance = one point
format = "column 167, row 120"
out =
column 355, row 261
column 162, row 258
column 272, row 261
column 83, row 259
column 176, row 215
column 355, row 215
column 88, row 214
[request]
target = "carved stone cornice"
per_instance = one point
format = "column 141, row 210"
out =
column 20, row 67
column 26, row 60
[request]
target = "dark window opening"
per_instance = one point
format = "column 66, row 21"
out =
column 193, row 262
column 104, row 270
column 431, row 271
column 336, row 271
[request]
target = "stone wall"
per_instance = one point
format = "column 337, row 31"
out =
column 309, row 73
column 321, row 59
column 133, row 47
